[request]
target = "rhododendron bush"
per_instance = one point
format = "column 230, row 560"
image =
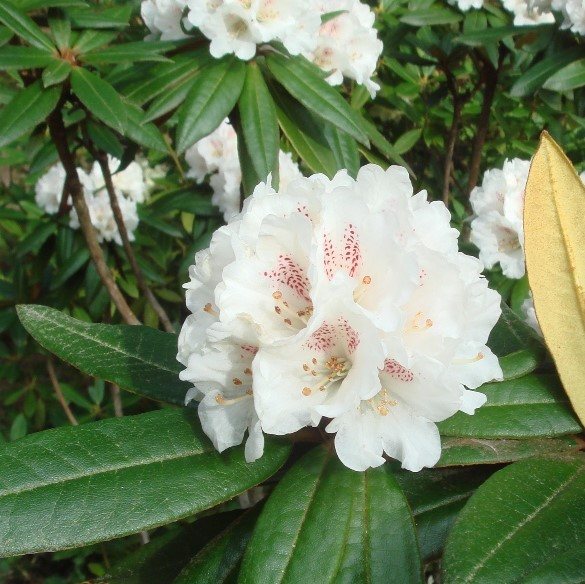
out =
column 292, row 291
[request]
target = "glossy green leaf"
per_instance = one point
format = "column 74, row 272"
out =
column 480, row 37
column 167, row 554
column 519, row 363
column 218, row 562
column 436, row 497
column 171, row 99
column 327, row 523
column 531, row 517
column 430, row 16
column 105, row 139
column 568, row 78
column 100, row 98
column 298, row 126
column 344, row 149
column 35, row 4
column 468, row 451
column 142, row 132
column 56, row 72
column 24, row 26
column 298, row 78
column 537, row 75
column 74, row 263
column 527, row 407
column 136, row 358
column 100, row 17
column 12, row 57
column 259, row 123
column 512, row 334
column 35, row 239
column 83, row 484
column 214, row 94
column 61, row 31
column 92, row 39
column 131, row 52
column 407, row 141
column 26, row 110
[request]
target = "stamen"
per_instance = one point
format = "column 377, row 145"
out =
column 209, row 309
column 475, row 359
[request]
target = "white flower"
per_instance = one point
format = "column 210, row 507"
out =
column 574, row 11
column 340, row 299
column 530, row 314
column 498, row 229
column 49, row 188
column 528, row 12
column 347, row 45
column 217, row 155
column 465, row 5
column 163, row 18
column 102, row 216
column 129, row 183
column 239, row 26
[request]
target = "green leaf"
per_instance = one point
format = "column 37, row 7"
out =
column 92, row 39
column 468, row 451
column 12, row 57
column 170, row 100
column 105, row 139
column 298, row 125
column 143, row 133
column 27, row 109
column 380, row 142
column 131, row 52
column 110, row 17
column 344, row 149
column 100, row 98
column 61, row 30
column 84, row 484
column 431, row 16
column 568, row 78
column 56, row 72
column 259, row 123
column 518, row 364
column 297, row 76
column 481, row 37
column 214, row 94
column 512, row 334
column 531, row 516
column 18, row 430
column 73, row 264
column 250, row 178
column 167, row 554
column 24, row 27
column 218, row 561
column 526, row 407
column 325, row 523
column 35, row 4
column 136, row 358
column 537, row 75
column 407, row 141
column 35, row 239
column 436, row 497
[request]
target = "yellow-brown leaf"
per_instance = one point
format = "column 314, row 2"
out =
column 554, row 225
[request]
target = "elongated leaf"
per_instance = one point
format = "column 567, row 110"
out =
column 171, row 99
column 480, row 37
column 344, row 148
column 78, row 485
column 56, row 72
column 316, row 95
column 92, row 39
column 570, row 77
column 24, row 26
column 12, row 57
column 436, row 497
column 110, row 17
column 100, row 98
column 555, row 260
column 518, row 364
column 34, row 241
column 132, row 52
column 136, row 358
column 259, row 123
column 526, row 407
column 431, row 16
column 167, row 554
column 511, row 334
column 214, row 94
column 324, row 523
column 298, row 125
column 530, row 514
column 27, row 109
column 142, row 132
column 468, row 451
column 536, row 76
column 219, row 561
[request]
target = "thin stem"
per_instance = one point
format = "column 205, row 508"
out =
column 458, row 101
column 59, row 393
column 490, row 76
column 102, row 160
column 117, row 400
column 75, row 188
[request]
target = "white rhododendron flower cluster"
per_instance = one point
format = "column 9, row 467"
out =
column 130, row 185
column 344, row 302
column 498, row 229
column 528, row 12
column 164, row 19
column 466, row 5
column 216, row 157
column 346, row 45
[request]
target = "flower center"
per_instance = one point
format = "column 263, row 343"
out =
column 327, row 373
